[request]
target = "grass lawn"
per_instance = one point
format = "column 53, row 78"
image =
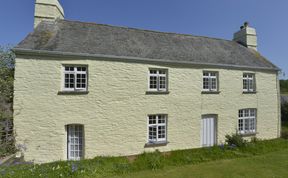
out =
column 263, row 158
column 273, row 164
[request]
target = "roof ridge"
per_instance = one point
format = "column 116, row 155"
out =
column 144, row 30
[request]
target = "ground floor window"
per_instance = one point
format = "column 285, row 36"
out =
column 157, row 128
column 247, row 121
column 75, row 142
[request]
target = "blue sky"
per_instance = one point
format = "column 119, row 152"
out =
column 212, row 18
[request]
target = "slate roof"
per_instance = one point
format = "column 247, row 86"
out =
column 91, row 39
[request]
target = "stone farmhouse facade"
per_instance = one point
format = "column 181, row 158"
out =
column 85, row 89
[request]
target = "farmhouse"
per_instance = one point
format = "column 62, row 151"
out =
column 85, row 89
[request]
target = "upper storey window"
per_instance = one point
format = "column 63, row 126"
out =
column 75, row 78
column 249, row 82
column 158, row 80
column 210, row 81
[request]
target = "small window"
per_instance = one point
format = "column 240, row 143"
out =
column 247, row 121
column 158, row 80
column 75, row 78
column 249, row 83
column 210, row 81
column 157, row 128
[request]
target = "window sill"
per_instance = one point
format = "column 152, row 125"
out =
column 210, row 92
column 248, row 134
column 157, row 92
column 249, row 92
column 73, row 92
column 155, row 144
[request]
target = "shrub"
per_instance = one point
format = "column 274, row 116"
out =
column 284, row 134
column 154, row 160
column 284, row 112
column 254, row 140
column 235, row 139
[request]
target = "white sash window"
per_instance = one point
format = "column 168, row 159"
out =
column 75, row 78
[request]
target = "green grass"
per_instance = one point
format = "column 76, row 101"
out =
column 268, row 165
column 121, row 166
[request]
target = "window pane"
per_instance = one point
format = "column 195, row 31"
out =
column 240, row 113
column 240, row 125
column 69, row 81
column 81, row 68
column 161, row 119
column 251, row 86
column 246, row 112
column 213, row 74
column 152, row 133
column 161, row 132
column 252, row 112
column 246, row 125
column 162, row 82
column 153, row 71
column 153, row 82
column 205, row 83
column 152, row 119
column 245, row 85
column 81, row 81
column 69, row 68
column 162, row 72
column 252, row 124
column 213, row 82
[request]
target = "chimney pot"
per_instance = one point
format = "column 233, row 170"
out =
column 246, row 24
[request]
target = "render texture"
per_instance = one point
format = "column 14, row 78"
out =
column 114, row 106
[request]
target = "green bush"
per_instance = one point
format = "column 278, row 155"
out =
column 284, row 134
column 254, row 140
column 235, row 140
column 284, row 86
column 284, row 112
column 153, row 161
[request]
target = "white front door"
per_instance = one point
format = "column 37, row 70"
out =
column 208, row 131
column 75, row 142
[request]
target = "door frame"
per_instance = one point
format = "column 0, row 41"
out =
column 215, row 116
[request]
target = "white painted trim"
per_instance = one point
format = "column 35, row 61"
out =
column 158, row 75
column 75, row 72
column 247, row 119
column 210, row 77
column 158, row 140
column 250, row 77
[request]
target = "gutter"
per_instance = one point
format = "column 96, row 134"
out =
column 76, row 56
column 278, row 106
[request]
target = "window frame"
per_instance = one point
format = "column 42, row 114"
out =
column 247, row 118
column 157, row 124
column 74, row 72
column 158, row 75
column 249, row 77
column 210, row 77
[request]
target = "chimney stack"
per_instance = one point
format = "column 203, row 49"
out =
column 47, row 10
column 246, row 36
